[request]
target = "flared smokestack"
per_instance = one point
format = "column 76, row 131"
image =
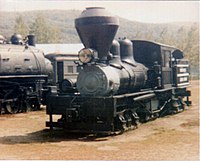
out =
column 97, row 29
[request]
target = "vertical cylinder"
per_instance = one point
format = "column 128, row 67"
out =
column 126, row 51
column 115, row 51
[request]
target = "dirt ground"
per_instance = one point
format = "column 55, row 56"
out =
column 176, row 137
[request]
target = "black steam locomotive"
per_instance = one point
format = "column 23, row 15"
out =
column 23, row 73
column 120, row 82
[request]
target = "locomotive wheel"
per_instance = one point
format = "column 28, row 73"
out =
column 11, row 107
column 35, row 107
column 126, row 121
column 0, row 108
column 175, row 106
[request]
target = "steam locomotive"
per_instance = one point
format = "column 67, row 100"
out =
column 24, row 72
column 120, row 82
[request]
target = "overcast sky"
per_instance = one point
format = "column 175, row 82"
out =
column 143, row 11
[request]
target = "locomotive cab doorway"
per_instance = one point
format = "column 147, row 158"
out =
column 167, row 79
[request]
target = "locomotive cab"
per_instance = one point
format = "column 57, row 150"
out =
column 165, row 63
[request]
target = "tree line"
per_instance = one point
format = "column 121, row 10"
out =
column 40, row 27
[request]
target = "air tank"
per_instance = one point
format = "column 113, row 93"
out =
column 97, row 28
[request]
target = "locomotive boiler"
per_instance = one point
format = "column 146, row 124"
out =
column 120, row 82
column 23, row 74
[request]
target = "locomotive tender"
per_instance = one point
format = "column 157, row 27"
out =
column 120, row 82
column 24, row 72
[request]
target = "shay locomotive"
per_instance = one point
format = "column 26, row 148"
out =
column 120, row 82
column 23, row 73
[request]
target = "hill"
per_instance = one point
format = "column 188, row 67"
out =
column 64, row 20
column 59, row 28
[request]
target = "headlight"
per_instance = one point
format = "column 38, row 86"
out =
column 86, row 55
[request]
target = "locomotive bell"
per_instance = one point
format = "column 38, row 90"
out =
column 97, row 29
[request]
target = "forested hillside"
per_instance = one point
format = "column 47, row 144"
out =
column 57, row 26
